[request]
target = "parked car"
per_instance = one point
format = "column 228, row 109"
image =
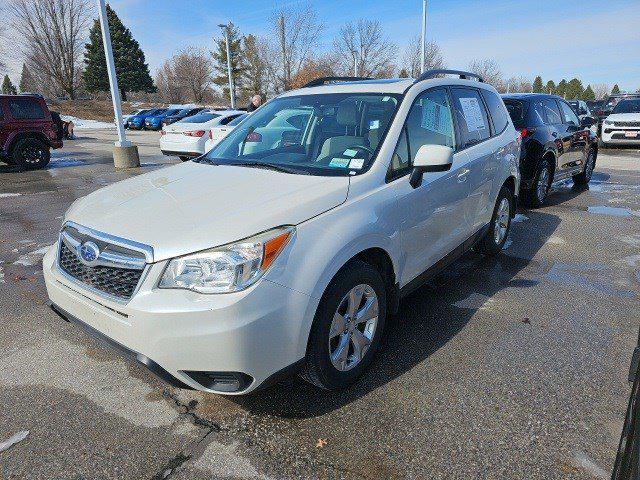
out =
column 184, row 113
column 581, row 108
column 623, row 125
column 125, row 118
column 556, row 145
column 137, row 121
column 27, row 131
column 217, row 133
column 186, row 139
column 254, row 263
column 154, row 122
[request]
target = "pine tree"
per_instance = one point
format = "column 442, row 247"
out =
column 7, row 87
column 550, row 87
column 574, row 89
column 588, row 94
column 220, row 68
column 561, row 88
column 27, row 82
column 538, row 87
column 131, row 68
column 615, row 90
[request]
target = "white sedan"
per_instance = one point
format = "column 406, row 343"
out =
column 186, row 139
column 217, row 133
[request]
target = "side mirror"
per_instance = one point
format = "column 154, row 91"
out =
column 430, row 158
column 587, row 122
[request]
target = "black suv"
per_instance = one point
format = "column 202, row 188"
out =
column 556, row 145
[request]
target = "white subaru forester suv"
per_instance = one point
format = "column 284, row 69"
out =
column 286, row 248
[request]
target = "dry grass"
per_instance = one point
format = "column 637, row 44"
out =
column 101, row 110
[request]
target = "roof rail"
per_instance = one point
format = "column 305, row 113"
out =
column 325, row 80
column 433, row 73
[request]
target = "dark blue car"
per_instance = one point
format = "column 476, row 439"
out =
column 137, row 122
column 154, row 122
column 184, row 113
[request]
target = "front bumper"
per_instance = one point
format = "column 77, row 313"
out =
column 612, row 134
column 181, row 335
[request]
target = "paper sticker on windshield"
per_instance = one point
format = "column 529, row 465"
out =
column 350, row 152
column 374, row 124
column 472, row 114
column 339, row 162
column 436, row 117
column 356, row 163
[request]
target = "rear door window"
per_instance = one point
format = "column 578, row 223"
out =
column 497, row 111
column 516, row 111
column 471, row 116
column 25, row 109
column 551, row 111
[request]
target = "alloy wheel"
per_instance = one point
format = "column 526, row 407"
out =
column 353, row 327
column 542, row 188
column 502, row 221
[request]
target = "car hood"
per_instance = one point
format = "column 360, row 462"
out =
column 190, row 207
column 624, row 117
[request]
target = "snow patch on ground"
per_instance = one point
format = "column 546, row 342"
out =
column 614, row 211
column 83, row 124
column 13, row 439
column 31, row 258
column 582, row 461
column 519, row 218
column 555, row 240
column 61, row 162
column 4, row 195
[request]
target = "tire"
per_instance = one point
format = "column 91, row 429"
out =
column 184, row 158
column 30, row 153
column 583, row 179
column 496, row 236
column 536, row 196
column 339, row 371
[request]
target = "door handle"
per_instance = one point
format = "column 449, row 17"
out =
column 462, row 176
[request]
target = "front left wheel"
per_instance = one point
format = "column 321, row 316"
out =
column 347, row 328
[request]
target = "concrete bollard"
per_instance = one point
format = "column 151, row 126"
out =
column 126, row 157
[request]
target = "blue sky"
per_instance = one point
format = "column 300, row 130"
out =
column 596, row 41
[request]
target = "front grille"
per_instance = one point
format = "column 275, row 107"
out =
column 626, row 124
column 109, row 278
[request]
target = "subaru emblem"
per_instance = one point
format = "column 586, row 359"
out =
column 88, row 253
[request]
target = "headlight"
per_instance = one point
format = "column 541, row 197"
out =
column 229, row 268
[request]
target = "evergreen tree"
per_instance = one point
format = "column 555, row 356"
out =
column 615, row 90
column 538, row 87
column 238, row 68
column 588, row 94
column 131, row 68
column 27, row 83
column 561, row 88
column 574, row 89
column 550, row 87
column 7, row 87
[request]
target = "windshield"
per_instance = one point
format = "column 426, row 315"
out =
column 326, row 134
column 627, row 106
column 201, row 117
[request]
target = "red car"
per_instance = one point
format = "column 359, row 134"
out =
column 28, row 131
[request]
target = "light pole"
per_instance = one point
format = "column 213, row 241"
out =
column 125, row 154
column 355, row 63
column 225, row 29
column 423, row 38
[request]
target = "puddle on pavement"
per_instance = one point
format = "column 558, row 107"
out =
column 594, row 277
column 612, row 211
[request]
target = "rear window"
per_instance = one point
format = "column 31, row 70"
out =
column 25, row 109
column 237, row 120
column 516, row 112
column 201, row 117
column 496, row 110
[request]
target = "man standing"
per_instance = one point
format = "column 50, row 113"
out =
column 256, row 101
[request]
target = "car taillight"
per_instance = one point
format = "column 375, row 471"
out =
column 253, row 137
column 527, row 132
column 196, row 133
column 162, row 132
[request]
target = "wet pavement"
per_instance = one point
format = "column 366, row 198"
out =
column 513, row 367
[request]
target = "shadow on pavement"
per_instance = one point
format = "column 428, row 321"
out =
column 426, row 321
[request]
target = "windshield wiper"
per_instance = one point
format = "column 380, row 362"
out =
column 271, row 166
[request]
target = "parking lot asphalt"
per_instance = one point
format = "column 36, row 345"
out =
column 513, row 367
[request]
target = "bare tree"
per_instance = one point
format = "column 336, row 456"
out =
column 601, row 90
column 296, row 31
column 186, row 76
column 51, row 34
column 365, row 43
column 312, row 69
column 519, row 84
column 432, row 57
column 489, row 70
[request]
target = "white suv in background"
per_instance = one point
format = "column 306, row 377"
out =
column 623, row 125
column 286, row 248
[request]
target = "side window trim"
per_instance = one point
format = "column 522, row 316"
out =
column 492, row 125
